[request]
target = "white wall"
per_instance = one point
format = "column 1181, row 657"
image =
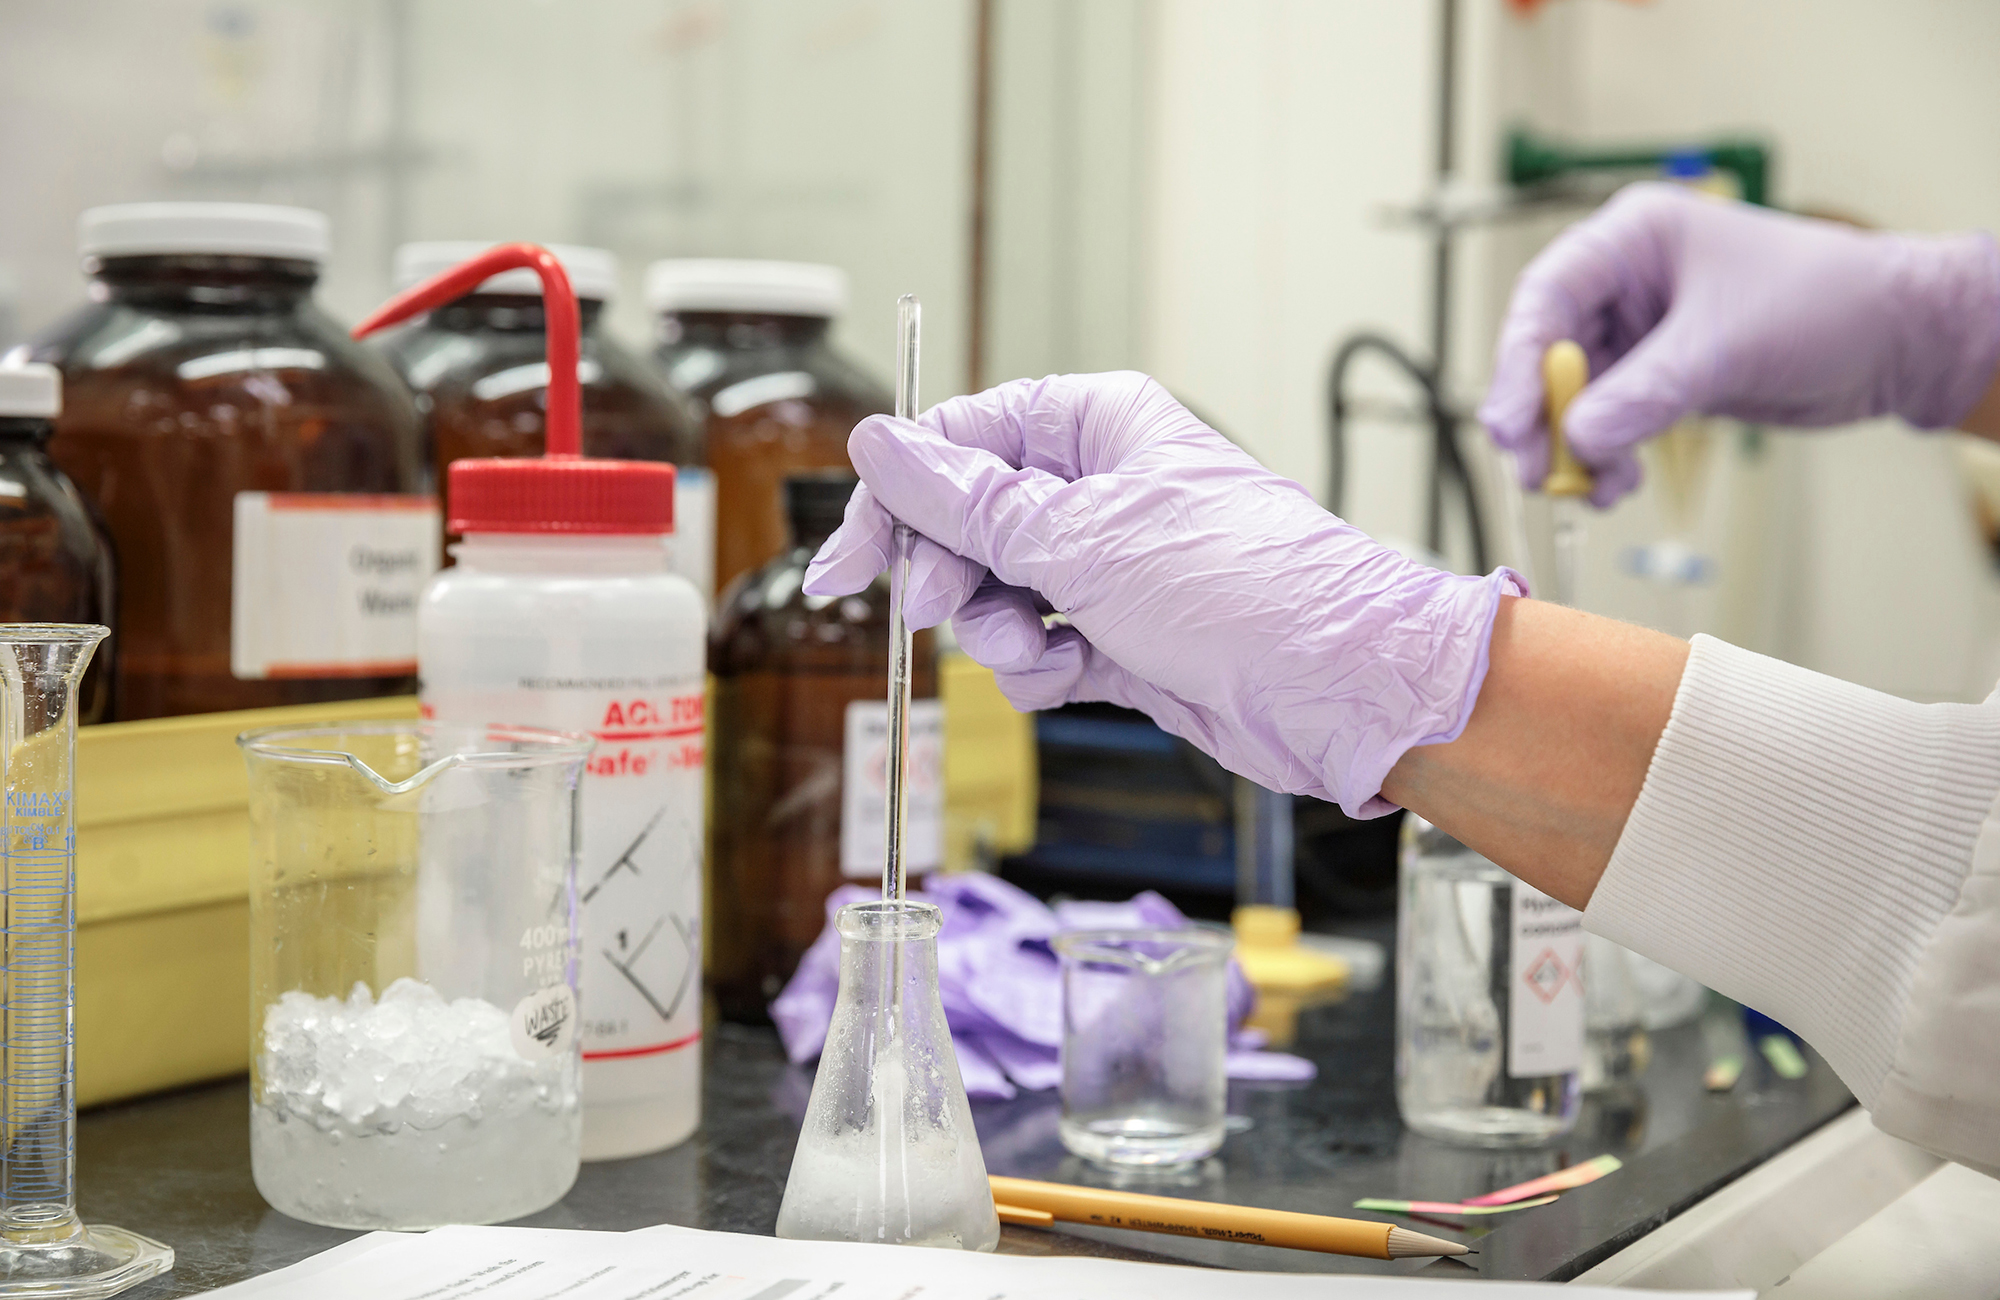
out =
column 1068, row 218
column 834, row 130
column 1885, row 113
column 796, row 129
column 1278, row 128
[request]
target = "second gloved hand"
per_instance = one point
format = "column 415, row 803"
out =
column 1197, row 586
column 1690, row 306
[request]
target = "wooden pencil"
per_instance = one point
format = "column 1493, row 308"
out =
column 1023, row 1200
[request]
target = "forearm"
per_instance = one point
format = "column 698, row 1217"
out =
column 1554, row 756
column 1984, row 419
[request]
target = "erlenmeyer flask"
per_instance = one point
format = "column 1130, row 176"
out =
column 45, row 1250
column 888, row 1153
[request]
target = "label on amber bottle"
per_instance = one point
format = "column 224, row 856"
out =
column 864, row 790
column 691, row 545
column 1545, row 997
column 326, row 584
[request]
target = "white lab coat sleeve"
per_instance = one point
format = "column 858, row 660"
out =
column 1830, row 855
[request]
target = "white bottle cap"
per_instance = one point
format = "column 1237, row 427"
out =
column 593, row 272
column 30, row 390
column 227, row 229
column 764, row 288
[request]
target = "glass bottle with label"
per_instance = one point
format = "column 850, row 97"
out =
column 749, row 342
column 1489, row 999
column 55, row 562
column 257, row 470
column 477, row 368
column 801, row 729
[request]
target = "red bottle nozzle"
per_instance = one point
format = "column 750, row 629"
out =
column 562, row 491
column 565, row 416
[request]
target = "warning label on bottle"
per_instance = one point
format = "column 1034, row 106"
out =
column 1545, row 996
column 639, row 859
column 864, row 789
column 326, row 584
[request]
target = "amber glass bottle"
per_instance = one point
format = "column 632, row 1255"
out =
column 478, row 367
column 749, row 342
column 798, row 681
column 55, row 562
column 203, row 387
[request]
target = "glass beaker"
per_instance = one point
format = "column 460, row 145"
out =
column 413, row 952
column 888, row 1152
column 1616, row 1047
column 1489, row 999
column 1144, row 1044
column 45, row 1250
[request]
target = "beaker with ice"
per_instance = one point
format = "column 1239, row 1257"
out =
column 45, row 1250
column 888, row 1153
column 413, row 954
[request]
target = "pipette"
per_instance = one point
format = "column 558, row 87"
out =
column 909, row 326
column 1565, row 370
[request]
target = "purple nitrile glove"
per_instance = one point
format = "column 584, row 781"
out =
column 1687, row 305
column 1198, row 586
column 998, row 982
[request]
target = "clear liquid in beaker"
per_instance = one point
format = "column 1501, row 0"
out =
column 1144, row 1046
column 409, row 1112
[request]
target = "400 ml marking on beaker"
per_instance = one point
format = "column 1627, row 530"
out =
column 34, row 1168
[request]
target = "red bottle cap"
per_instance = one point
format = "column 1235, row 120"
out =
column 562, row 491
column 572, row 494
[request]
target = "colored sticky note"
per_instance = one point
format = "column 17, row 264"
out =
column 1784, row 1056
column 1559, row 1181
column 1443, row 1207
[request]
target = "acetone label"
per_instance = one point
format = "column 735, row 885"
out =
column 864, row 790
column 1545, row 996
column 326, row 584
column 639, row 864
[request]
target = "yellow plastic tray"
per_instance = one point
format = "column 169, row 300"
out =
column 163, row 846
column 162, row 895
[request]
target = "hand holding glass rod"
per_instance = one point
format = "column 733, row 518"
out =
column 909, row 326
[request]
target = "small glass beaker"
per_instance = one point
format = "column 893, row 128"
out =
column 1616, row 1046
column 888, row 1152
column 1489, row 999
column 413, row 952
column 1144, row 1044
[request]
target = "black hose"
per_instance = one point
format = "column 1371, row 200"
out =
column 1447, row 461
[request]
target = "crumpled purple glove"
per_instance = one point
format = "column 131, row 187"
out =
column 998, row 981
column 1690, row 306
column 1199, row 587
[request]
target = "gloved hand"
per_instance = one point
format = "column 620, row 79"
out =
column 1198, row 586
column 1690, row 306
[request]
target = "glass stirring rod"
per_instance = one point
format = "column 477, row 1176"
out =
column 1565, row 370
column 896, row 773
